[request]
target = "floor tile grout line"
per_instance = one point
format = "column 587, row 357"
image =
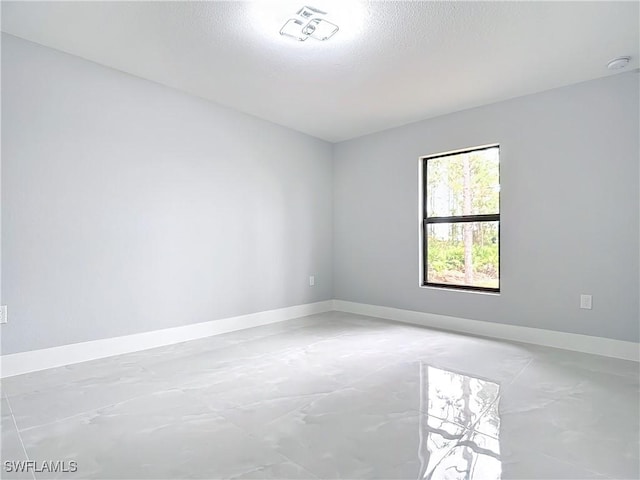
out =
column 278, row 353
column 175, row 387
column 359, row 379
column 511, row 382
column 277, row 453
column 293, row 348
column 180, row 387
column 321, row 396
column 268, row 354
column 91, row 410
column 251, row 435
column 578, row 466
column 129, row 399
column 301, row 466
column 150, row 370
column 265, row 355
column 541, row 452
column 508, row 384
column 147, row 368
column 24, row 449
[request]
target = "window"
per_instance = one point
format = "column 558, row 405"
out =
column 461, row 219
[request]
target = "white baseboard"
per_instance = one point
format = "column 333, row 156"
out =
column 35, row 360
column 537, row 336
column 25, row 362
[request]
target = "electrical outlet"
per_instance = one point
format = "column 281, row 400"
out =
column 585, row 302
column 3, row 314
column 312, row 280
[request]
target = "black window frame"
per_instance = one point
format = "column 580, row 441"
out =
column 426, row 221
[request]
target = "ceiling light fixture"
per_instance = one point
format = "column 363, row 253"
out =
column 618, row 63
column 309, row 23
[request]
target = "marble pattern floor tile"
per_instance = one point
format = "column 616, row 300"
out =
column 335, row 445
column 163, row 435
column 535, row 465
column 67, row 400
column 332, row 395
column 11, row 448
column 569, row 409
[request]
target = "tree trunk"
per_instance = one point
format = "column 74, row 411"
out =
column 468, row 227
column 468, row 422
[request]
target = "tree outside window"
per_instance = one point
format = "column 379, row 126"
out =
column 461, row 219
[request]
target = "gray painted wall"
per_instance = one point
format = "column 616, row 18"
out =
column 128, row 206
column 570, row 210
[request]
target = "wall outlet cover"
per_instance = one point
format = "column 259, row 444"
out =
column 585, row 302
column 3, row 314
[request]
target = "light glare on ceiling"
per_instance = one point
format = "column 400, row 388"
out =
column 309, row 24
column 268, row 17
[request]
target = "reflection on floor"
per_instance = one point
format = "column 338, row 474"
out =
column 328, row 396
column 459, row 426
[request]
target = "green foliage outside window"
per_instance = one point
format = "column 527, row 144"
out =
column 464, row 184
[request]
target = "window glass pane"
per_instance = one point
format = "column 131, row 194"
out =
column 464, row 253
column 463, row 184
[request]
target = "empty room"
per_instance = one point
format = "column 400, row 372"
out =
column 320, row 239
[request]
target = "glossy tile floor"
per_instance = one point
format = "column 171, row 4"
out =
column 328, row 396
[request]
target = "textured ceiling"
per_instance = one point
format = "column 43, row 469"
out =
column 390, row 64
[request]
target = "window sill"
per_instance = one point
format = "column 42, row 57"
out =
column 460, row 290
